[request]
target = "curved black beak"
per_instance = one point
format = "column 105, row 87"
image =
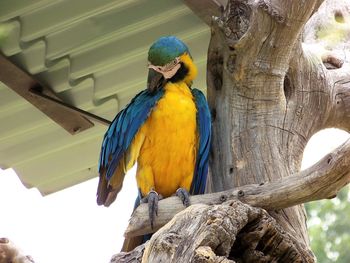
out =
column 155, row 80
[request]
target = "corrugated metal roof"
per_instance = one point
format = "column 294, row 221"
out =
column 93, row 54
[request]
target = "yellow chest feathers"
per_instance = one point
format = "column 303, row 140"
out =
column 167, row 156
column 176, row 107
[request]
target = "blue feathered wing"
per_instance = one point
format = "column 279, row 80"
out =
column 204, row 131
column 119, row 136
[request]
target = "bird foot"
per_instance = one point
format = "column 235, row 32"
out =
column 184, row 195
column 152, row 199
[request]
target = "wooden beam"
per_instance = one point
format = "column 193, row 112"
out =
column 71, row 108
column 205, row 9
column 22, row 83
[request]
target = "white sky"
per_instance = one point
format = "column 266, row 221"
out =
column 68, row 226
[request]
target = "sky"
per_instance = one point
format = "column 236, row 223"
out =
column 68, row 226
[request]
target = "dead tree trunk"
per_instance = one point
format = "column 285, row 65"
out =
column 274, row 80
column 266, row 116
column 269, row 95
column 225, row 233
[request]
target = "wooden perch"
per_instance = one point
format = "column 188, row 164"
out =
column 226, row 233
column 322, row 180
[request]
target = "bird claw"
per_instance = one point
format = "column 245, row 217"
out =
column 152, row 199
column 184, row 195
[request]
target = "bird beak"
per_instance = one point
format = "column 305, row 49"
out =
column 154, row 81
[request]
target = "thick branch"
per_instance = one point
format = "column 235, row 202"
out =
column 327, row 35
column 226, row 233
column 134, row 256
column 340, row 112
column 314, row 100
column 322, row 180
column 273, row 27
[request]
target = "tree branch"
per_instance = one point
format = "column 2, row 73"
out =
column 315, row 70
column 340, row 112
column 327, row 35
column 322, row 180
column 10, row 253
column 273, row 27
column 226, row 233
column 134, row 256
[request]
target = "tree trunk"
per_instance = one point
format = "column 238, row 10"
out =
column 268, row 95
column 274, row 79
column 256, row 127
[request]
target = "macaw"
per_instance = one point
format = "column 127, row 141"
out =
column 166, row 129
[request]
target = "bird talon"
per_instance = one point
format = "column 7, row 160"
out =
column 152, row 199
column 184, row 195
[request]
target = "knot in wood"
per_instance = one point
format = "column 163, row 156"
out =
column 167, row 241
column 329, row 159
column 271, row 11
column 236, row 19
column 299, row 110
column 215, row 68
column 4, row 240
column 227, row 32
column 223, row 198
column 280, row 19
column 213, row 118
column 339, row 99
column 231, row 63
column 262, row 4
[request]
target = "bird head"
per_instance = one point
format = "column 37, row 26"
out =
column 169, row 60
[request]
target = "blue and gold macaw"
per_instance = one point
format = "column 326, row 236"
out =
column 166, row 129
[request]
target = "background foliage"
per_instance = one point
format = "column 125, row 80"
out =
column 329, row 228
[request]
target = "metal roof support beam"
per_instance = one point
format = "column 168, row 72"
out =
column 22, row 83
column 205, row 9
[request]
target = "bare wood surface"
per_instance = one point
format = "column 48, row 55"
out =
column 226, row 233
column 9, row 253
column 270, row 91
column 134, row 256
column 322, row 180
column 340, row 112
column 255, row 124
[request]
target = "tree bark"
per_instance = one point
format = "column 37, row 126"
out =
column 320, row 181
column 275, row 78
column 269, row 94
column 226, row 233
column 10, row 253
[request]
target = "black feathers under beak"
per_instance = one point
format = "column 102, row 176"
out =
column 155, row 80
